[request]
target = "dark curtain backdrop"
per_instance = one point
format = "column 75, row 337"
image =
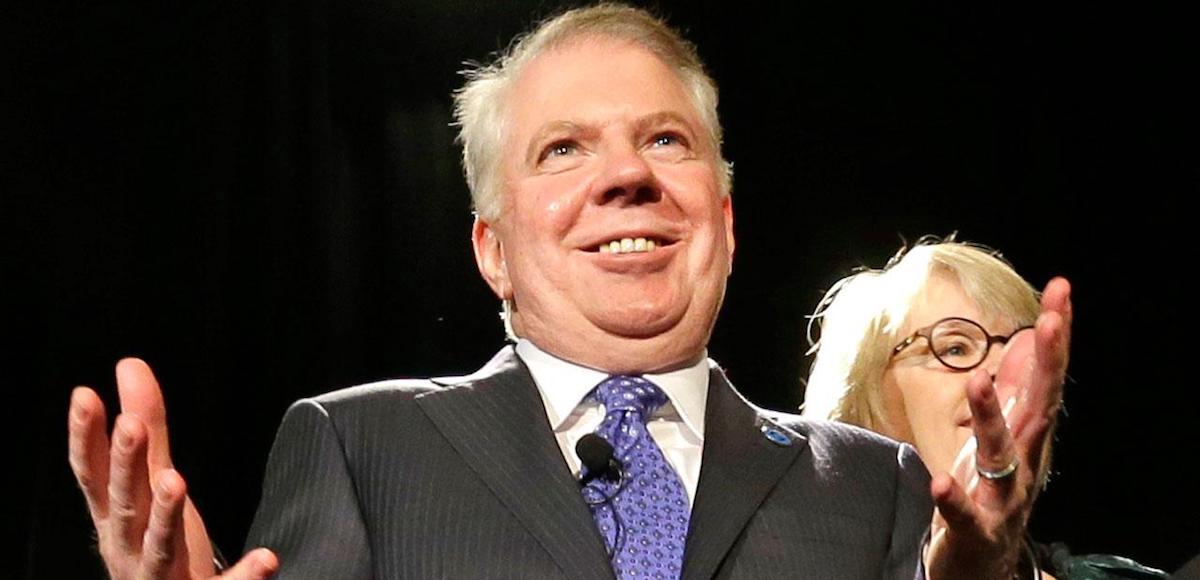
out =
column 263, row 200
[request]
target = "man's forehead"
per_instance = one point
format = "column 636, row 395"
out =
column 578, row 60
column 589, row 81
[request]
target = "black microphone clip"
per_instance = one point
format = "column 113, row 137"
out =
column 599, row 460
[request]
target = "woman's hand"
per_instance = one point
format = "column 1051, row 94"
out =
column 983, row 507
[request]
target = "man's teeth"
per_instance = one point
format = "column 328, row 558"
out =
column 628, row 246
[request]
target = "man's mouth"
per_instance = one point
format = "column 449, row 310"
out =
column 631, row 245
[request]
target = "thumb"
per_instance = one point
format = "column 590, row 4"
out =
column 954, row 505
column 258, row 564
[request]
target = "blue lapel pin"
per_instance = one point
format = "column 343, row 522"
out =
column 776, row 436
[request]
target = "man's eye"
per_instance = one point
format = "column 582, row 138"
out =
column 666, row 139
column 560, row 149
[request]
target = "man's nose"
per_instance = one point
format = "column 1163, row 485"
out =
column 628, row 178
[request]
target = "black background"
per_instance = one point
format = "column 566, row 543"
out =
column 263, row 200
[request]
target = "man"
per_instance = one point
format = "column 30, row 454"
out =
column 605, row 225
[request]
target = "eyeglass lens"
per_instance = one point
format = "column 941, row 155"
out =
column 958, row 344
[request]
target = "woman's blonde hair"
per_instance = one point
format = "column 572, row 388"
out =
column 861, row 316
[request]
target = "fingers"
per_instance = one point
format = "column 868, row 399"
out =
column 1053, row 330
column 1051, row 346
column 1043, row 380
column 87, row 449
column 1057, row 297
column 129, row 485
column 164, row 542
column 963, row 468
column 258, row 564
column 995, row 449
column 1016, row 367
column 1032, row 370
column 144, row 526
column 953, row 503
column 141, row 397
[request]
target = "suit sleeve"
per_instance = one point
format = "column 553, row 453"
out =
column 913, row 512
column 309, row 513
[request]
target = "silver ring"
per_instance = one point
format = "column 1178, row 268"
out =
column 1008, row 470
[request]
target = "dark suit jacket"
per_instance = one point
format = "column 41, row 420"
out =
column 462, row 478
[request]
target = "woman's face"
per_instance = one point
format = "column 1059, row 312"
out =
column 925, row 402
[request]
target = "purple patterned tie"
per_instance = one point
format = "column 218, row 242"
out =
column 643, row 516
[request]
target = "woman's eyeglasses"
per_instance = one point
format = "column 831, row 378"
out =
column 959, row 343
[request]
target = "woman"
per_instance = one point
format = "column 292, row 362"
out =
column 897, row 349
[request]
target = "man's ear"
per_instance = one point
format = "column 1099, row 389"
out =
column 489, row 257
column 727, row 210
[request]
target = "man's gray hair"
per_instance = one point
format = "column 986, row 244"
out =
column 481, row 104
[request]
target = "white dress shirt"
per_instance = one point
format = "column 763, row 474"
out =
column 677, row 427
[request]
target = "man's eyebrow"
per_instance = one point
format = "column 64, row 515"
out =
column 564, row 127
column 663, row 118
column 551, row 128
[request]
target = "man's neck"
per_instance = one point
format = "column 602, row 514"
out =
column 642, row 358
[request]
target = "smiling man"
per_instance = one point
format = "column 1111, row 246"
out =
column 604, row 224
column 614, row 236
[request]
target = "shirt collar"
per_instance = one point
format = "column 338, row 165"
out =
column 563, row 385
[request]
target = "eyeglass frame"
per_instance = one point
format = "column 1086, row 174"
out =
column 925, row 332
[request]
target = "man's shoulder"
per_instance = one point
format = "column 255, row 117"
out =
column 835, row 442
column 830, row 440
column 377, row 391
column 832, row 432
column 390, row 392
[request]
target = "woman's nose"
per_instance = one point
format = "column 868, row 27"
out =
column 991, row 363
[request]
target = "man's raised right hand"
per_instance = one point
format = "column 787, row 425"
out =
column 146, row 525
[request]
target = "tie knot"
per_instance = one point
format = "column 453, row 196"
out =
column 629, row 393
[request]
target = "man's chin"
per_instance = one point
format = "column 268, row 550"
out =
column 628, row 340
column 639, row 324
column 672, row 346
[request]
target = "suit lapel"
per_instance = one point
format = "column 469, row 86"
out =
column 740, row 467
column 496, row 421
